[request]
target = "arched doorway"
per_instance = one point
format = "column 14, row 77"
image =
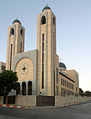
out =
column 23, row 88
column 29, row 88
column 18, row 88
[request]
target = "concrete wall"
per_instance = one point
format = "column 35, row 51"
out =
column 1, row 100
column 26, row 100
column 60, row 100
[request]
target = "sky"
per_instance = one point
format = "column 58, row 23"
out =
column 73, row 31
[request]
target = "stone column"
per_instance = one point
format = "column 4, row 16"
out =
column 26, row 88
column 20, row 88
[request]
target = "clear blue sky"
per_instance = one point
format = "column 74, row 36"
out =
column 73, row 31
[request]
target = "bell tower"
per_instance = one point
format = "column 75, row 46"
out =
column 15, row 43
column 46, row 45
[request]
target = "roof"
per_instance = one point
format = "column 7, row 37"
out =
column 15, row 21
column 46, row 7
column 62, row 65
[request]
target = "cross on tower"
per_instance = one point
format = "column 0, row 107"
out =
column 24, row 68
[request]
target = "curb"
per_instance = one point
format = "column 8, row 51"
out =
column 15, row 106
column 70, row 104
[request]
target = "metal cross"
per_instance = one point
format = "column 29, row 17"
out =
column 24, row 68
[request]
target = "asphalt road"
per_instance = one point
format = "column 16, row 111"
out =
column 82, row 111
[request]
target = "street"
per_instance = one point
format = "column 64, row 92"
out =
column 82, row 111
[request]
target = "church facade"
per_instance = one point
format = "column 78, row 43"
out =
column 39, row 71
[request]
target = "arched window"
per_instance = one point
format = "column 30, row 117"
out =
column 18, row 88
column 43, row 20
column 21, row 32
column 23, row 88
column 12, row 32
column 29, row 88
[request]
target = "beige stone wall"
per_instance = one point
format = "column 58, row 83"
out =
column 49, row 53
column 75, row 76
column 26, row 100
column 1, row 100
column 26, row 75
column 57, row 61
column 67, row 100
column 25, row 64
column 57, row 79
column 65, row 87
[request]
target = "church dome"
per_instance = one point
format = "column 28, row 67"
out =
column 46, row 8
column 16, row 21
column 62, row 65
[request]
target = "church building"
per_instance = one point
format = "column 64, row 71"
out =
column 39, row 71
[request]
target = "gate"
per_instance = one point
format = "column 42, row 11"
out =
column 45, row 100
column 11, row 99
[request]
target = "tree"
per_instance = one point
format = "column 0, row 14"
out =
column 87, row 93
column 81, row 92
column 8, row 81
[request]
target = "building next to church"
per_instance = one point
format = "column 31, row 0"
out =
column 39, row 71
column 2, row 66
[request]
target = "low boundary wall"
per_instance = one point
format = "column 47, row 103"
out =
column 69, row 100
column 26, row 100
column 59, row 100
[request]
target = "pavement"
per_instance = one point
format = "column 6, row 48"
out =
column 82, row 111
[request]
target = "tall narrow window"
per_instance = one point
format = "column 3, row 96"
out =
column 54, row 82
column 21, row 32
column 54, row 20
column 11, row 56
column 42, row 61
column 57, row 75
column 21, row 47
